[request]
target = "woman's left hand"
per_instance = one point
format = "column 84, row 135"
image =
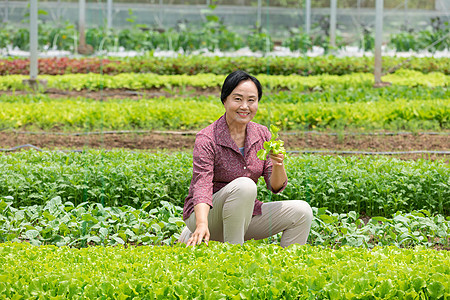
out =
column 277, row 159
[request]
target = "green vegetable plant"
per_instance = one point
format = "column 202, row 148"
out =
column 88, row 224
column 260, row 40
column 367, row 42
column 437, row 38
column 404, row 41
column 274, row 145
column 403, row 230
column 222, row 271
column 6, row 35
column 298, row 40
column 378, row 186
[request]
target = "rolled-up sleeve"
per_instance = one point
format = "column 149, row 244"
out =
column 203, row 171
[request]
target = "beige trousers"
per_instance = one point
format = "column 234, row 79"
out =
column 230, row 219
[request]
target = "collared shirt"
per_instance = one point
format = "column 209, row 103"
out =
column 217, row 161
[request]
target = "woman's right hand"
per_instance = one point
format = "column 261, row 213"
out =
column 200, row 234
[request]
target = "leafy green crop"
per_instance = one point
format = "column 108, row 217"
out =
column 375, row 185
column 223, row 271
column 316, row 94
column 139, row 81
column 87, row 224
column 274, row 145
column 403, row 230
column 40, row 112
column 64, row 224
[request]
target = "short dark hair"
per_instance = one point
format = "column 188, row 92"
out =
column 233, row 80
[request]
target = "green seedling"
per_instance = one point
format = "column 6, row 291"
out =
column 274, row 145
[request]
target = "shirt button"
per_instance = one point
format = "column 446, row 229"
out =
column 245, row 168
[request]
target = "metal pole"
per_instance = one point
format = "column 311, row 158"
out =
column 33, row 40
column 406, row 14
column 161, row 12
column 109, row 14
column 258, row 14
column 58, row 11
column 358, row 14
column 308, row 16
column 82, row 20
column 378, row 42
column 5, row 19
column 333, row 23
column 81, row 26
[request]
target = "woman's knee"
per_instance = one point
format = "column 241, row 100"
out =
column 301, row 211
column 245, row 187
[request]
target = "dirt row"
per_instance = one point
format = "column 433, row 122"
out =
column 185, row 142
column 111, row 94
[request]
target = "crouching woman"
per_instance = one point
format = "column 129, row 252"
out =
column 221, row 204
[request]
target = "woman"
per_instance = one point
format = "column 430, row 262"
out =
column 222, row 204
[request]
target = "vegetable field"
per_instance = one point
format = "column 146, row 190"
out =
column 96, row 163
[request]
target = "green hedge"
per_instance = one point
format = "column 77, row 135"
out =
column 222, row 271
column 374, row 185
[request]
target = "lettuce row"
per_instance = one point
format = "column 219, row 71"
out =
column 139, row 81
column 193, row 114
column 222, row 271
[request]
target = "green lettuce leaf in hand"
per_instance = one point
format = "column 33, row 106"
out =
column 274, row 145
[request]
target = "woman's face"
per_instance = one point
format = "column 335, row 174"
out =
column 241, row 105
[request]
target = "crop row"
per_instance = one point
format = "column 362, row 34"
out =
column 223, row 271
column 374, row 185
column 88, row 224
column 195, row 113
column 192, row 65
column 315, row 94
column 140, row 81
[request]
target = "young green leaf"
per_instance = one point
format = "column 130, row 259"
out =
column 274, row 145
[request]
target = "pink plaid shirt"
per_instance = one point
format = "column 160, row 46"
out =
column 217, row 161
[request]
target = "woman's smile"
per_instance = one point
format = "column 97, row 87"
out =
column 243, row 114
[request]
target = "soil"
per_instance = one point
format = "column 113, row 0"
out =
column 106, row 94
column 184, row 141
